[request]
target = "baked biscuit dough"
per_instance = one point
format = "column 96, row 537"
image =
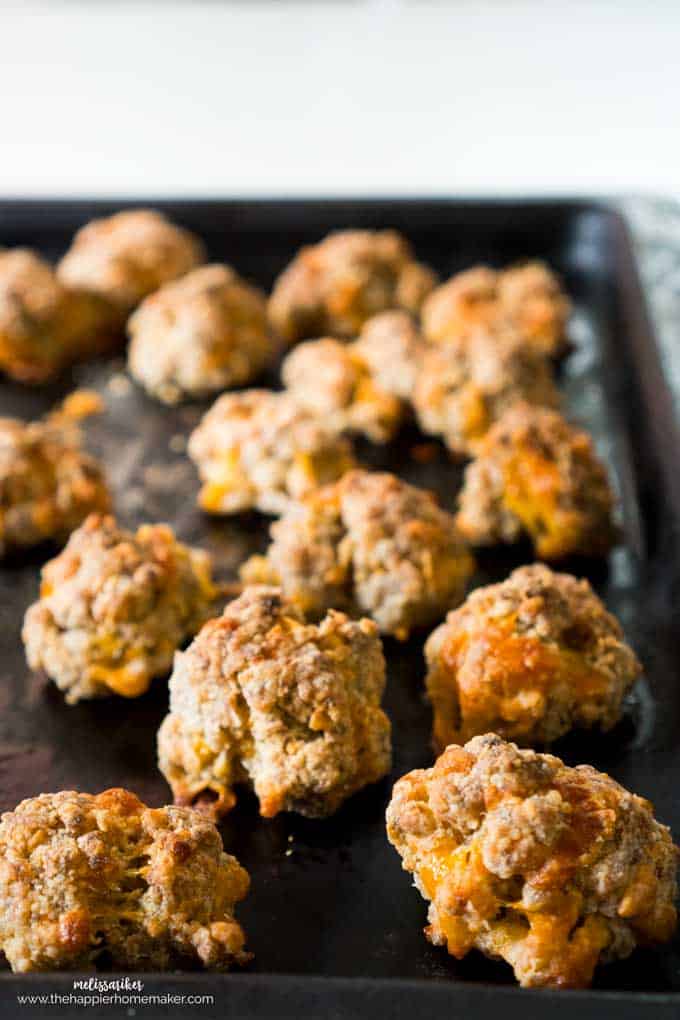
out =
column 289, row 708
column 370, row 544
column 83, row 875
column 553, row 869
column 538, row 475
column 529, row 659
column 123, row 258
column 527, row 298
column 333, row 287
column 260, row 450
column 114, row 608
column 200, row 334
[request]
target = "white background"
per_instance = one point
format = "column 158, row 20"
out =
column 339, row 97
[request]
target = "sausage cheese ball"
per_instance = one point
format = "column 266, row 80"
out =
column 537, row 475
column 334, row 383
column 463, row 388
column 529, row 659
column 48, row 484
column 333, row 287
column 292, row 709
column 124, row 257
column 368, row 544
column 114, row 607
column 83, row 876
column 43, row 326
column 553, row 869
column 526, row 297
column 391, row 345
column 200, row 334
column 260, row 450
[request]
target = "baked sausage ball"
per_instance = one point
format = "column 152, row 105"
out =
column 200, row 334
column 333, row 382
column 260, row 450
column 114, row 607
column 530, row 659
column 553, row 869
column 333, row 287
column 462, row 388
column 526, row 297
column 292, row 709
column 44, row 326
column 538, row 475
column 48, row 484
column 391, row 345
column 368, row 544
column 124, row 257
column 82, row 876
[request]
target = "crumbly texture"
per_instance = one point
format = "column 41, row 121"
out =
column 44, row 326
column 292, row 709
column 331, row 380
column 333, row 287
column 83, row 876
column 527, row 297
column 48, row 484
column 464, row 387
column 200, row 334
column 369, row 544
column 537, row 475
column 553, row 869
column 124, row 257
column 529, row 659
column 260, row 450
column 114, row 608
column 392, row 347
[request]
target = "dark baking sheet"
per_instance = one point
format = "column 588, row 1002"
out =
column 329, row 899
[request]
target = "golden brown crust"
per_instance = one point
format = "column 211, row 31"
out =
column 124, row 257
column 200, row 334
column 332, row 381
column 291, row 708
column 536, row 474
column 261, row 450
column 84, row 875
column 463, row 387
column 333, row 287
column 114, row 608
column 368, row 544
column 551, row 868
column 48, row 484
column 528, row 659
column 527, row 298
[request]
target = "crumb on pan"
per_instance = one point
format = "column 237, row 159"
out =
column 333, row 287
column 83, row 876
column 369, row 544
column 538, row 475
column 462, row 388
column 114, row 607
column 553, row 869
column 260, row 450
column 290, row 708
column 48, row 483
column 123, row 258
column 529, row 659
column 203, row 333
column 527, row 297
